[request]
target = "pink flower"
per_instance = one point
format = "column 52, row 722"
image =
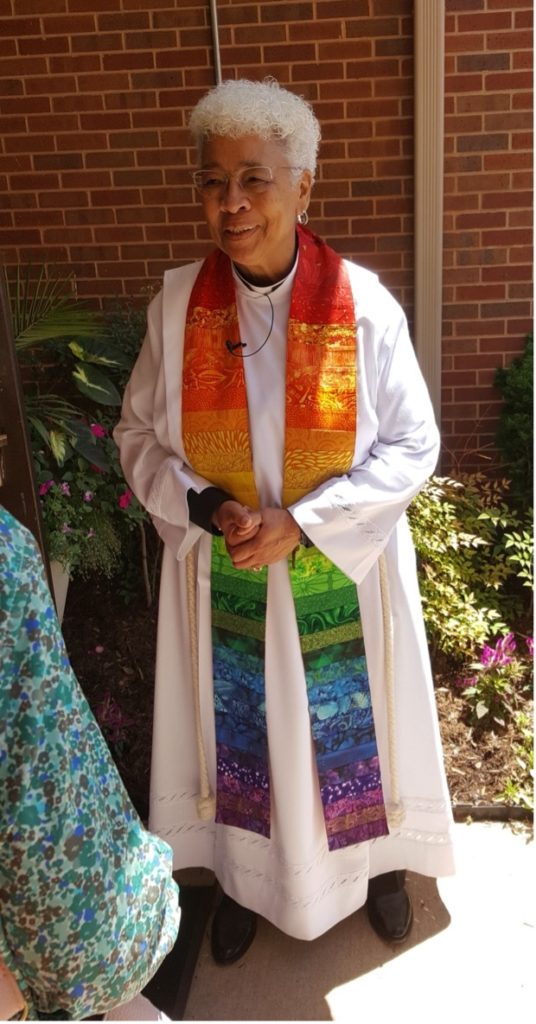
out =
column 505, row 649
column 530, row 645
column 501, row 654
column 97, row 430
column 488, row 655
column 44, row 488
column 125, row 498
column 112, row 718
column 66, row 489
column 88, row 495
column 65, row 528
column 464, row 684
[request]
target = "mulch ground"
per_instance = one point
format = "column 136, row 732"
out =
column 112, row 649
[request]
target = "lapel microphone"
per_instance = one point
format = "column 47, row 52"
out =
column 232, row 348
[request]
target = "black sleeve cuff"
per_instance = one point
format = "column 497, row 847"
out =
column 305, row 541
column 202, row 506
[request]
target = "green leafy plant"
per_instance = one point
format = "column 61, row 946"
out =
column 86, row 510
column 45, row 308
column 515, row 432
column 74, row 365
column 458, row 527
column 519, row 787
column 64, row 354
column 475, row 562
column 519, row 549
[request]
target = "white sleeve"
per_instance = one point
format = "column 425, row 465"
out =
column 350, row 518
column 153, row 468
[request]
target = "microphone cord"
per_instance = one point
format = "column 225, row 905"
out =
column 241, row 344
column 231, row 348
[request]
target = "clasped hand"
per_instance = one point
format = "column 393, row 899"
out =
column 254, row 539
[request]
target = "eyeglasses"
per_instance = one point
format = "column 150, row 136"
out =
column 252, row 180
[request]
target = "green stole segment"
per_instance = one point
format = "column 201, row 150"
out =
column 321, row 393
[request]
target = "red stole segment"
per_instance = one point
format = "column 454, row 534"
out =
column 321, row 385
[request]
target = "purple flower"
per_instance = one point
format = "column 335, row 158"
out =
column 530, row 645
column 505, row 649
column 65, row 528
column 464, row 684
column 488, row 655
column 66, row 489
column 97, row 430
column 44, row 488
column 88, row 495
column 501, row 654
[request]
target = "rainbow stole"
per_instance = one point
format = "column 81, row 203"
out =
column 320, row 424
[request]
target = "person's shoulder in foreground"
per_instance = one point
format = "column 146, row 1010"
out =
column 89, row 907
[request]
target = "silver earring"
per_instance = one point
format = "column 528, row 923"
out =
column 303, row 218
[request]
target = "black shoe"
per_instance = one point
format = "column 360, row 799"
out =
column 233, row 931
column 391, row 915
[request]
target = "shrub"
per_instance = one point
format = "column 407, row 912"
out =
column 473, row 560
column 87, row 511
column 515, row 432
column 519, row 788
column 74, row 365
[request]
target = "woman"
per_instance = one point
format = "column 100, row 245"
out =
column 276, row 426
column 88, row 905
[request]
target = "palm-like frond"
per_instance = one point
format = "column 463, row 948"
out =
column 46, row 309
column 50, row 407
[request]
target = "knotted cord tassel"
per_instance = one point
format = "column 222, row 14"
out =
column 395, row 811
column 206, row 801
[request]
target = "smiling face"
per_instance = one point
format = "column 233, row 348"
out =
column 256, row 231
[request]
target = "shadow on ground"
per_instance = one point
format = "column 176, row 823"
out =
column 281, row 978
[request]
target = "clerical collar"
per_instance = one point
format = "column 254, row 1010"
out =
column 265, row 289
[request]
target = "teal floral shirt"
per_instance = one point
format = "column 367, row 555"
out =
column 88, row 906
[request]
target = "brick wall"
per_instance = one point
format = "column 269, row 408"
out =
column 94, row 159
column 488, row 215
column 95, row 153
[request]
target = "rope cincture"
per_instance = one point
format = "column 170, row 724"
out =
column 395, row 810
column 206, row 801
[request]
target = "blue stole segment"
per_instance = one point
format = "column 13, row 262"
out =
column 340, row 708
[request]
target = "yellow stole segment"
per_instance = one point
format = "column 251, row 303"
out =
column 321, row 377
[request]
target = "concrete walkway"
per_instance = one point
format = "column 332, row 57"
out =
column 471, row 955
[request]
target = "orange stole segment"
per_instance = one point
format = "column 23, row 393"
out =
column 321, row 378
column 214, row 409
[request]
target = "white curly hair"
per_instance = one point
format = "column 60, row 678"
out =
column 241, row 107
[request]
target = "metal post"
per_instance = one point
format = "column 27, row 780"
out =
column 429, row 134
column 215, row 41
